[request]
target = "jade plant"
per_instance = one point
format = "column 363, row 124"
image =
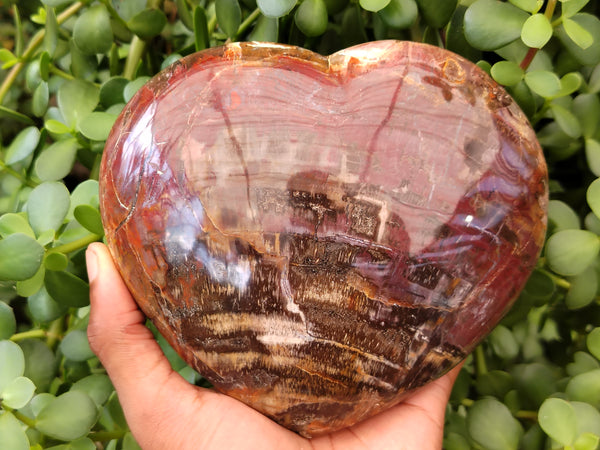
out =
column 68, row 67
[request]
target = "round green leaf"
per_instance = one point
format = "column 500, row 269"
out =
column 582, row 290
column 572, row 7
column 265, row 30
column 47, row 206
column 23, row 145
column 75, row 346
column 503, row 342
column 30, row 286
column 494, row 382
column 56, row 261
column 8, row 323
column 492, row 426
column 588, row 418
column 83, row 443
column 587, row 441
column 593, row 196
column 540, row 286
column 18, row 392
column 591, row 24
column 374, row 5
column 89, row 217
column 229, row 16
column 12, row 363
column 561, row 216
column 486, row 34
column 557, row 419
column 587, row 109
column 56, row 127
column 275, row 8
column 133, row 86
column 570, row 252
column 85, row 193
column 399, row 13
column 311, row 17
column 40, row 401
column 593, row 342
column 543, row 82
column 535, row 383
column 20, row 257
column 92, row 32
column 566, row 120
column 592, row 223
column 570, row 83
column 40, row 363
column 67, row 289
column 97, row 125
column 76, row 100
column 44, row 308
column 578, row 34
column 129, row 442
column 531, row 6
column 536, row 31
column 45, row 66
column 594, row 81
column 97, row 386
column 585, row 387
column 147, row 23
column 201, row 35
column 507, row 73
column 56, row 161
column 582, row 362
column 15, row 223
column 67, row 417
column 41, row 96
column 111, row 92
column 437, row 14
column 12, row 432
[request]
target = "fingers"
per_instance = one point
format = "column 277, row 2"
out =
column 417, row 422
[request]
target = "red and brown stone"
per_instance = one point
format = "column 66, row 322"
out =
column 318, row 236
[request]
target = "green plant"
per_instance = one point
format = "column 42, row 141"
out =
column 68, row 67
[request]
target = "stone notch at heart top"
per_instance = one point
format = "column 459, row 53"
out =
column 319, row 236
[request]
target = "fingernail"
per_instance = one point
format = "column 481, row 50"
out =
column 91, row 260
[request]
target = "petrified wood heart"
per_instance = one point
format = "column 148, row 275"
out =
column 318, row 236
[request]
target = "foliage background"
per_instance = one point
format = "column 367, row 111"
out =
column 67, row 69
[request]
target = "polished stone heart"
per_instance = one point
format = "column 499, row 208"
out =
column 319, row 236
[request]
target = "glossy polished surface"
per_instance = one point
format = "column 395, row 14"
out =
column 318, row 236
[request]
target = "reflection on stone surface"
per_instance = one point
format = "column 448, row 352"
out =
column 319, row 236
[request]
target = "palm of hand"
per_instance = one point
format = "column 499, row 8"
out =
column 165, row 412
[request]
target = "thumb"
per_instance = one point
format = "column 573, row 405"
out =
column 117, row 335
column 116, row 330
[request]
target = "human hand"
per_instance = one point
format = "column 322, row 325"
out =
column 166, row 412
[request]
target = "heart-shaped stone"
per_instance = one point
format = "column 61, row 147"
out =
column 318, row 236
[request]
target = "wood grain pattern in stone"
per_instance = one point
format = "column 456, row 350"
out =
column 319, row 236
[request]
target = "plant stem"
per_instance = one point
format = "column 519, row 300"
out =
column 549, row 12
column 61, row 73
column 77, row 244
column 529, row 415
column 36, row 40
column 28, row 335
column 467, row 402
column 113, row 12
column 103, row 436
column 22, row 417
column 136, row 49
column 54, row 332
column 24, row 180
column 480, row 361
column 246, row 23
